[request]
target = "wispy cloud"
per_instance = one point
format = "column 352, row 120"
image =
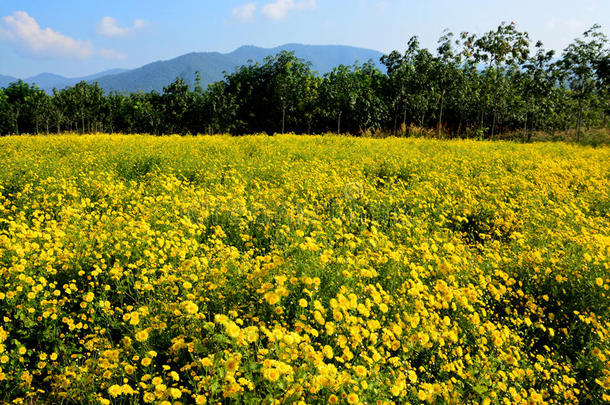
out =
column 244, row 13
column 571, row 25
column 280, row 8
column 109, row 27
column 111, row 54
column 24, row 31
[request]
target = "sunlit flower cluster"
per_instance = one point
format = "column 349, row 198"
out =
column 290, row 269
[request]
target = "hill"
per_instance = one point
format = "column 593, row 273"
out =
column 212, row 66
column 48, row 81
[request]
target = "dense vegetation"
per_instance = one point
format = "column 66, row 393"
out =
column 472, row 86
column 140, row 269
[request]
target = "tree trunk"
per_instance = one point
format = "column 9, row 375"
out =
column 339, row 122
column 283, row 117
column 17, row 121
column 493, row 122
column 579, row 121
column 440, row 114
column 525, row 137
column 395, row 121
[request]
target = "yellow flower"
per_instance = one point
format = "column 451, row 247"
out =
column 190, row 307
column 272, row 297
column 142, row 336
column 115, row 390
column 134, row 319
column 232, row 364
column 233, row 330
column 360, row 371
column 175, row 393
column 146, row 361
column 352, row 398
column 599, row 281
column 272, row 374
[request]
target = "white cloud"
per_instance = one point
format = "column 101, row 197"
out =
column 109, row 27
column 244, row 13
column 575, row 25
column 550, row 24
column 279, row 8
column 23, row 30
column 111, row 54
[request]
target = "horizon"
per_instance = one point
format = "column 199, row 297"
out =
column 36, row 38
column 193, row 52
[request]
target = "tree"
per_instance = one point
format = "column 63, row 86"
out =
column 6, row 123
column 289, row 79
column 175, row 103
column 537, row 81
column 338, row 93
column 446, row 67
column 505, row 45
column 19, row 96
column 400, row 70
column 579, row 64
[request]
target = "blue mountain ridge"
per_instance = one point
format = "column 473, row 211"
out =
column 211, row 65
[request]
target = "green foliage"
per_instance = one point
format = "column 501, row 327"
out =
column 474, row 85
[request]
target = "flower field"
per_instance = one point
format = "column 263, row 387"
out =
column 289, row 269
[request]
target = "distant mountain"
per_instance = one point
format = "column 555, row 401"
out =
column 5, row 80
column 48, row 81
column 211, row 65
column 101, row 74
column 158, row 74
column 322, row 57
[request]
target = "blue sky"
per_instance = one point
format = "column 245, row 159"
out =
column 78, row 37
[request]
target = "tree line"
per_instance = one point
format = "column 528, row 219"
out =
column 473, row 85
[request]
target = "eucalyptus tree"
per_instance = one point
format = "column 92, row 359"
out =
column 603, row 75
column 537, row 80
column 5, row 116
column 338, row 93
column 19, row 96
column 175, row 102
column 289, row 81
column 308, row 105
column 220, row 108
column 60, row 110
column 446, row 72
column 400, row 71
column 370, row 111
column 504, row 45
column 580, row 62
column 149, row 110
column 42, row 110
